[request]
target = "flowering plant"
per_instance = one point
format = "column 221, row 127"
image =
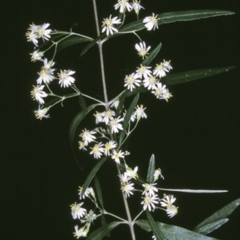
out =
column 116, row 119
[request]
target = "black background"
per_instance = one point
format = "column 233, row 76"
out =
column 195, row 136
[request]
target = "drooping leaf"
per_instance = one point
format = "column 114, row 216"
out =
column 220, row 214
column 92, row 174
column 172, row 232
column 152, row 55
column 72, row 40
column 91, row 44
column 208, row 228
column 82, row 102
column 183, row 77
column 77, row 120
column 98, row 191
column 171, row 17
column 154, row 226
column 151, row 169
column 102, row 232
column 127, row 117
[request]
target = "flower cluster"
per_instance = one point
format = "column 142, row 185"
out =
column 78, row 212
column 167, row 202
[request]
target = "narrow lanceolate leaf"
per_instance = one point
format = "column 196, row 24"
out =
column 155, row 228
column 98, row 191
column 92, row 174
column 184, row 77
column 72, row 40
column 220, row 214
column 91, row 44
column 127, row 118
column 152, row 55
column 151, row 169
column 208, row 228
column 171, row 17
column 172, row 232
column 77, row 120
column 102, row 231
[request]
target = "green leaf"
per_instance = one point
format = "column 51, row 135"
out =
column 152, row 55
column 92, row 174
column 208, row 228
column 183, row 77
column 151, row 169
column 98, row 191
column 220, row 214
column 171, row 17
column 82, row 102
column 155, row 228
column 77, row 120
column 102, row 232
column 91, row 44
column 72, row 40
column 172, row 232
column 127, row 117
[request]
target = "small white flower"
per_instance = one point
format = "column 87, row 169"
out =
column 108, row 115
column 131, row 82
column 87, row 136
column 115, row 124
column 142, row 49
column 123, row 5
column 41, row 113
column 98, row 117
column 157, row 173
column 36, row 55
column 159, row 71
column 38, row 93
column 124, row 178
column 108, row 25
column 143, row 72
column 172, row 211
column 82, row 232
column 81, row 146
column 150, row 82
column 109, row 146
column 90, row 217
column 127, row 189
column 161, row 92
column 86, row 193
column 77, row 210
column 43, row 32
column 46, row 73
column 166, row 65
column 149, row 189
column 32, row 37
column 117, row 155
column 132, row 173
column 151, row 22
column 115, row 104
column 149, row 202
column 136, row 6
column 139, row 112
column 167, row 200
column 65, row 79
column 97, row 150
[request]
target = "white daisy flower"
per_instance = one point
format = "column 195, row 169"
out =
column 139, row 113
column 65, row 79
column 131, row 81
column 108, row 25
column 97, row 150
column 150, row 82
column 132, row 173
column 142, row 49
column 87, row 136
column 115, row 124
column 81, row 146
column 46, row 73
column 32, row 37
column 41, row 113
column 87, row 192
column 43, row 32
column 123, row 5
column 124, row 178
column 166, row 65
column 149, row 189
column 127, row 189
column 159, row 71
column 82, row 232
column 161, row 92
column 136, row 6
column 117, row 155
column 77, row 210
column 143, row 72
column 108, row 115
column 115, row 104
column 157, row 173
column 109, row 146
column 36, row 55
column 150, row 202
column 98, row 117
column 151, row 22
column 38, row 94
column 167, row 200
